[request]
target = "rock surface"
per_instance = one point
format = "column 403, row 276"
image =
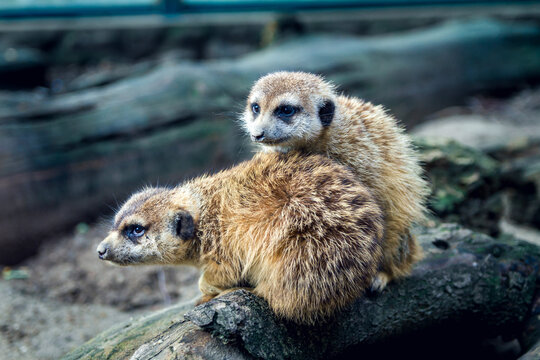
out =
column 496, row 171
column 466, row 184
column 481, row 132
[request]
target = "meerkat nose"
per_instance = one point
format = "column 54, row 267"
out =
column 258, row 137
column 103, row 251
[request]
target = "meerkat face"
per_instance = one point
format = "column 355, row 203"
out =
column 286, row 109
column 150, row 228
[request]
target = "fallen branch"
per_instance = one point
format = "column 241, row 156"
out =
column 466, row 278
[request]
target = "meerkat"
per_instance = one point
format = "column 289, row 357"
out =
column 301, row 111
column 298, row 230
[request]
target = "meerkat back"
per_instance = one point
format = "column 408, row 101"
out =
column 298, row 230
column 313, row 233
column 300, row 111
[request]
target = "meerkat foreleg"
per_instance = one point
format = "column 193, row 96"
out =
column 224, row 292
column 215, row 280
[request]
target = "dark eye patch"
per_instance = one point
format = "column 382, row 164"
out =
column 134, row 232
column 285, row 112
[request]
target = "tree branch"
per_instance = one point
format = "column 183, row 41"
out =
column 466, row 278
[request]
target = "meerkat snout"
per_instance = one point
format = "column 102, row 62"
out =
column 258, row 137
column 103, row 250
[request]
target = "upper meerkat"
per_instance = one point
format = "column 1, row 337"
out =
column 300, row 230
column 296, row 110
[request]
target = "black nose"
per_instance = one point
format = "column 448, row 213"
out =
column 258, row 137
column 103, row 251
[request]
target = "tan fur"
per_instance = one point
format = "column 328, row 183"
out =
column 300, row 230
column 362, row 136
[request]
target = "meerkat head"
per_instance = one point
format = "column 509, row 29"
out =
column 154, row 226
column 287, row 109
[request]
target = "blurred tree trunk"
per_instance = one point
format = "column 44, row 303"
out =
column 65, row 158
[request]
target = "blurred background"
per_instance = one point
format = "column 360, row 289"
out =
column 100, row 98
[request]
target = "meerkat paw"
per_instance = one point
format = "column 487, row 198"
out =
column 379, row 282
column 204, row 299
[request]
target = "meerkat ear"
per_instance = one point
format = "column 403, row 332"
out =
column 185, row 228
column 326, row 112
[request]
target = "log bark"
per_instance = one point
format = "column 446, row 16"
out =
column 78, row 152
column 466, row 278
column 530, row 338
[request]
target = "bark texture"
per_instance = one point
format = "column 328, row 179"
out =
column 466, row 278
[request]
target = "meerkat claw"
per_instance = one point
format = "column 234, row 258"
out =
column 379, row 282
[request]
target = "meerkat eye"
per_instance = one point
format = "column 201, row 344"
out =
column 138, row 230
column 285, row 111
column 255, row 108
column 135, row 231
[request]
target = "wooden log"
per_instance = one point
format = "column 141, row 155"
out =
column 66, row 157
column 466, row 278
column 530, row 338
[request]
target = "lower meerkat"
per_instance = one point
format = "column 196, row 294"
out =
column 299, row 230
column 301, row 111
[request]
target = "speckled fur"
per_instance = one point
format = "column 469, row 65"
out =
column 362, row 136
column 299, row 230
